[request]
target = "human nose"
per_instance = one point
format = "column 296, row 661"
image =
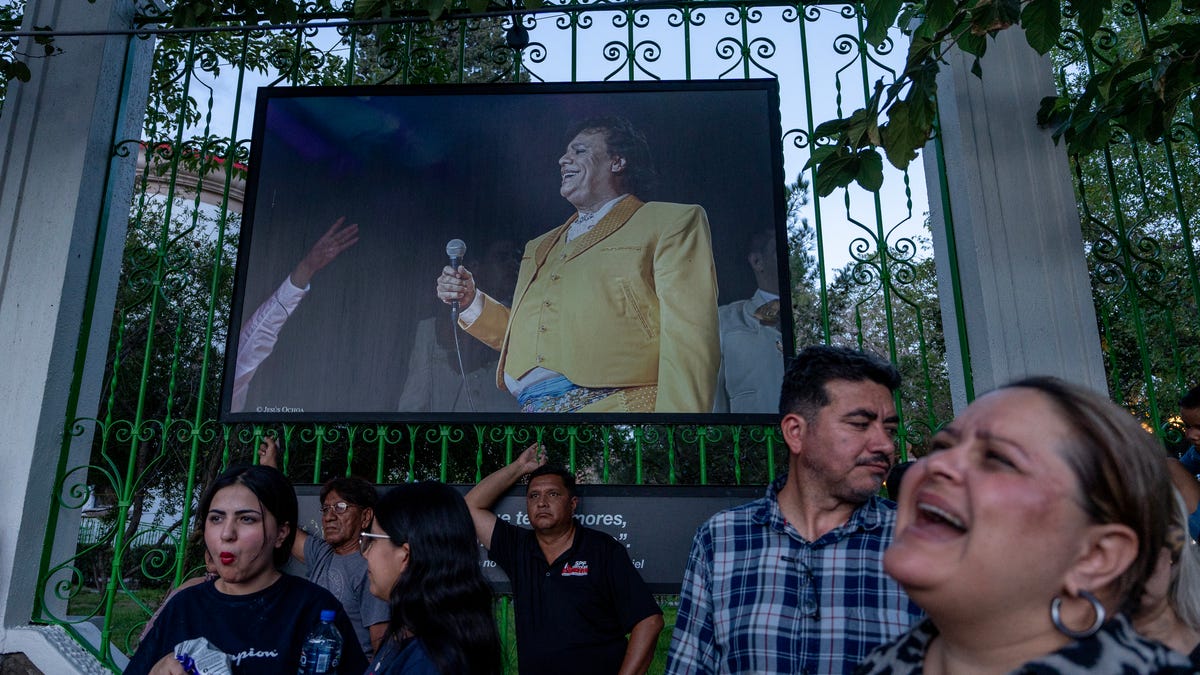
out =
column 882, row 440
column 947, row 463
column 564, row 159
column 228, row 531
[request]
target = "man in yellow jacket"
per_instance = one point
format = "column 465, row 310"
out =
column 616, row 309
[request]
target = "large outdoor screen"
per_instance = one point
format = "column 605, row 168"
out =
column 620, row 248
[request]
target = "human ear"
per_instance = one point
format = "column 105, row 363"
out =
column 618, row 164
column 1106, row 552
column 403, row 554
column 368, row 515
column 284, row 530
column 793, row 427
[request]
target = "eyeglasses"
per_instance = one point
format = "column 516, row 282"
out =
column 364, row 540
column 338, row 508
column 809, row 604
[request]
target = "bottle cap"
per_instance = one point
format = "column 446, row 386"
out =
column 328, row 614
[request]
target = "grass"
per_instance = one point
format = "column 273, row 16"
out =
column 128, row 617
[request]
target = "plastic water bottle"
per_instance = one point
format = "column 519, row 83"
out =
column 322, row 648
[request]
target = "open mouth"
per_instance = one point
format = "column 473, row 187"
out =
column 938, row 518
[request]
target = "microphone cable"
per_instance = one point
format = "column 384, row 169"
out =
column 466, row 385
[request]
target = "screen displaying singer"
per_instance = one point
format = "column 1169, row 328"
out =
column 614, row 310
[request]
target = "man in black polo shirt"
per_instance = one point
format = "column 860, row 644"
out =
column 576, row 592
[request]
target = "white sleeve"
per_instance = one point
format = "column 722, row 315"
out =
column 468, row 314
column 258, row 335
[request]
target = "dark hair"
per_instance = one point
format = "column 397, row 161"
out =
column 567, row 477
column 760, row 242
column 354, row 490
column 1191, row 399
column 1122, row 477
column 623, row 140
column 273, row 490
column 804, row 382
column 442, row 596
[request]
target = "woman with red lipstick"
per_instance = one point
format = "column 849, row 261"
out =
column 423, row 558
column 1027, row 536
column 252, row 612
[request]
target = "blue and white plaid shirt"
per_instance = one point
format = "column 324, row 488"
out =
column 758, row 598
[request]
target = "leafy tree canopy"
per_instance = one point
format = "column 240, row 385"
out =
column 1142, row 93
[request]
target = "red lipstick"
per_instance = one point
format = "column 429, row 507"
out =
column 227, row 558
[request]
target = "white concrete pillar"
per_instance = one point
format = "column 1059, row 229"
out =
column 1025, row 291
column 56, row 183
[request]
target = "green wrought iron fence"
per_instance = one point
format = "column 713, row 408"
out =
column 1138, row 206
column 861, row 264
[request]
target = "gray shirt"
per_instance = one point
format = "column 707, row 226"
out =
column 346, row 577
column 751, row 359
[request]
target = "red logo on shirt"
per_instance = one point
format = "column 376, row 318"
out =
column 579, row 569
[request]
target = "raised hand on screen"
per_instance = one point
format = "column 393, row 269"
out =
column 331, row 244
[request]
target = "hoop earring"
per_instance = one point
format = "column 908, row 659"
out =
column 1056, row 617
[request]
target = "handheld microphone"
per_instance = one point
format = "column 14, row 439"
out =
column 455, row 249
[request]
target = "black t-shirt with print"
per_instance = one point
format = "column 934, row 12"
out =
column 263, row 632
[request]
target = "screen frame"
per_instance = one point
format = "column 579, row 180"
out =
column 771, row 126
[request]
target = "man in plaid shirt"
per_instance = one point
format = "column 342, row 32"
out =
column 794, row 582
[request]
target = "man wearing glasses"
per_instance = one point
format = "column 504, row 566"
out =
column 334, row 562
column 794, row 582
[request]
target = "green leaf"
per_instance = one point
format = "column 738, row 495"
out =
column 833, row 128
column 881, row 15
column 1042, row 21
column 862, row 128
column 1156, row 9
column 976, row 70
column 1179, row 37
column 1008, row 12
column 1090, row 14
column 870, row 170
column 939, row 13
column 989, row 16
column 835, row 171
column 819, row 154
column 1195, row 106
column 1054, row 113
column 20, row 71
column 909, row 126
column 368, row 9
column 435, row 7
column 973, row 44
column 1088, row 133
column 1103, row 84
